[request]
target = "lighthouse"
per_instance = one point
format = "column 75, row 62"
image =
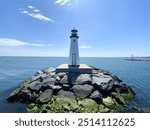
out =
column 74, row 66
column 74, row 50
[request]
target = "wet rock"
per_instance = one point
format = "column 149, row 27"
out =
column 46, row 96
column 32, row 108
column 103, row 109
column 14, row 96
column 108, row 102
column 121, row 89
column 89, row 105
column 116, row 78
column 82, row 91
column 68, row 104
column 26, row 97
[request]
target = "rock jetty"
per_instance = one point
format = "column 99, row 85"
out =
column 51, row 92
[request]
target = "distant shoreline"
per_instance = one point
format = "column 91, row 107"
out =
column 137, row 60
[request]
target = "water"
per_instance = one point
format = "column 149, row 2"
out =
column 13, row 70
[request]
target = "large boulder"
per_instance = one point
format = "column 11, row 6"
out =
column 35, row 86
column 83, row 79
column 89, row 105
column 107, row 86
column 82, row 91
column 100, row 80
column 66, row 94
column 108, row 102
column 46, row 96
column 68, row 104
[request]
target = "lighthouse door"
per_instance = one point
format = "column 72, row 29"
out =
column 73, row 59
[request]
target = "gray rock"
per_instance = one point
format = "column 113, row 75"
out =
column 98, row 75
column 39, row 72
column 116, row 78
column 83, row 79
column 46, row 96
column 14, row 95
column 106, row 72
column 38, row 77
column 96, row 95
column 107, row 86
column 99, row 80
column 61, row 74
column 67, row 94
column 25, row 91
column 49, row 81
column 66, row 87
column 110, row 85
column 64, row 80
column 48, row 70
column 52, row 74
column 122, row 89
column 54, row 87
column 82, row 91
column 94, row 71
column 58, row 78
column 35, row 86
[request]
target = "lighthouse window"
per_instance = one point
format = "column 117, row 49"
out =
column 73, row 40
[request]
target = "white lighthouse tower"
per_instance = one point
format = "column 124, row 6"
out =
column 74, row 66
column 74, row 50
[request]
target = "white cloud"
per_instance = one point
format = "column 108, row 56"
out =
column 15, row 43
column 30, row 7
column 24, row 12
column 85, row 47
column 40, row 17
column 58, row 1
column 63, row 2
column 36, row 10
column 36, row 13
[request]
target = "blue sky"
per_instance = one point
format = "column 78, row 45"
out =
column 107, row 28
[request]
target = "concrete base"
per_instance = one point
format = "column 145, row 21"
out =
column 82, row 68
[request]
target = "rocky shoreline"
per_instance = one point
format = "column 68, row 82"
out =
column 51, row 92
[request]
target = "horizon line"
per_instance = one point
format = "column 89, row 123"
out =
column 81, row 56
